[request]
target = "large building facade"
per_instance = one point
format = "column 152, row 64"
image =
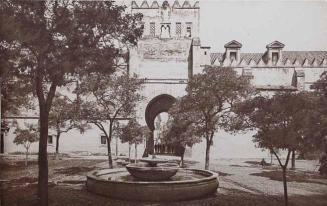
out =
column 170, row 52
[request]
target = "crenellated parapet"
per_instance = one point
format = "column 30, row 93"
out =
column 173, row 4
column 168, row 19
column 274, row 56
column 273, row 69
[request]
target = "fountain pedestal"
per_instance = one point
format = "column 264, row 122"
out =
column 153, row 162
column 152, row 171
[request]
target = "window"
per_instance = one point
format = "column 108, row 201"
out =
column 232, row 56
column 178, row 29
column 103, row 140
column 50, row 139
column 188, row 29
column 142, row 27
column 152, row 29
column 165, row 31
column 275, row 57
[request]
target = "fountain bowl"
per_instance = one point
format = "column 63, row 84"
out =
column 152, row 162
column 148, row 173
column 185, row 185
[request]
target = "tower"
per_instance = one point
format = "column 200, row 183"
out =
column 163, row 54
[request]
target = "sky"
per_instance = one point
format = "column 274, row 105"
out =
column 300, row 25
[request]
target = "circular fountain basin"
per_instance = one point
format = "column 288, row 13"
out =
column 148, row 173
column 186, row 184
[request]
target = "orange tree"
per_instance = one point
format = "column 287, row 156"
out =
column 280, row 124
column 181, row 129
column 209, row 101
column 26, row 137
column 132, row 133
column 108, row 98
column 64, row 117
column 53, row 42
column 319, row 130
column 318, row 123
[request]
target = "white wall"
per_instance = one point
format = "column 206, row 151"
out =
column 73, row 141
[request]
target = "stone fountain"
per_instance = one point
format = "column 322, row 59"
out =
column 153, row 179
column 151, row 171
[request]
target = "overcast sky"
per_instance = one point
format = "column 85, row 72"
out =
column 300, row 25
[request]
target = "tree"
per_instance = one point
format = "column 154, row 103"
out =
column 209, row 100
column 26, row 137
column 279, row 122
column 56, row 41
column 13, row 91
column 181, row 130
column 107, row 99
column 318, row 124
column 64, row 116
column 117, row 132
column 319, row 129
column 132, row 134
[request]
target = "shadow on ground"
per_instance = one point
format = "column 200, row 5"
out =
column 59, row 195
column 293, row 176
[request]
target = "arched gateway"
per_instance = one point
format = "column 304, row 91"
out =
column 159, row 104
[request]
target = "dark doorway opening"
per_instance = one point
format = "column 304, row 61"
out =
column 159, row 104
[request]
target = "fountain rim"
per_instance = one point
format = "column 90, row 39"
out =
column 213, row 175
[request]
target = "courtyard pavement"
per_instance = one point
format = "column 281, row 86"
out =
column 235, row 175
column 239, row 177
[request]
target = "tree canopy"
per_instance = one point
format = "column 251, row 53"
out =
column 108, row 98
column 65, row 116
column 319, row 127
column 49, row 43
column 281, row 123
column 181, row 127
column 26, row 137
column 209, row 101
column 132, row 133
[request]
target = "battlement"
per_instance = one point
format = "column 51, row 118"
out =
column 173, row 4
column 168, row 19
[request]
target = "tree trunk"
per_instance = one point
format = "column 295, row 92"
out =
column 293, row 160
column 44, row 109
column 285, row 185
column 135, row 153
column 43, row 157
column 182, row 160
column 26, row 158
column 57, row 146
column 129, row 152
column 116, row 146
column 284, row 169
column 109, row 154
column 109, row 146
column 206, row 167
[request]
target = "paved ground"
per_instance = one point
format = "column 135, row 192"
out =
column 240, row 177
column 241, row 182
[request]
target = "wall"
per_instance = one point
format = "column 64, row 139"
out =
column 73, row 141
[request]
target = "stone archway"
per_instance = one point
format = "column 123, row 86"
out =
column 159, row 104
